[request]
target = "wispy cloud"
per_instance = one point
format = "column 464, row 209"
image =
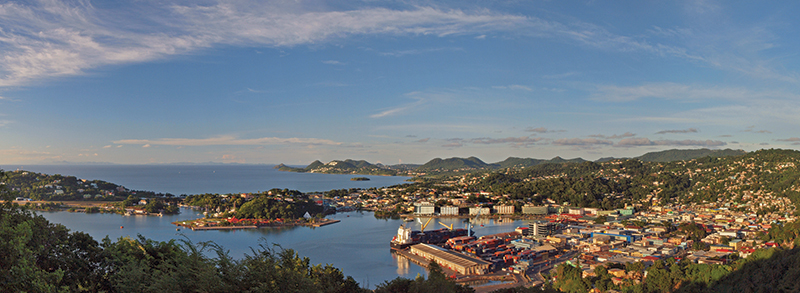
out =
column 333, row 62
column 791, row 139
column 542, row 130
column 690, row 130
column 513, row 87
column 559, row 76
column 43, row 39
column 514, row 141
column 400, row 109
column 402, row 53
column 424, row 140
column 53, row 38
column 635, row 142
column 675, row 91
column 226, row 140
column 581, row 142
column 615, row 136
column 537, row 129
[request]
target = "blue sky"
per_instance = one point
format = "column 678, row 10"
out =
column 139, row 82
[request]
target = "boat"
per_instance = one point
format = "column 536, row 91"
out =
column 406, row 237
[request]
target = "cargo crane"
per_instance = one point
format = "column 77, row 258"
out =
column 469, row 229
column 446, row 226
column 422, row 229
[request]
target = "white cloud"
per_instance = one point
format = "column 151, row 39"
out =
column 690, row 130
column 333, row 62
column 227, row 140
column 53, row 38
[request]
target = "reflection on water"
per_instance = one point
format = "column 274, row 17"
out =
column 403, row 264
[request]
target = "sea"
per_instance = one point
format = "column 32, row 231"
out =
column 199, row 179
column 358, row 245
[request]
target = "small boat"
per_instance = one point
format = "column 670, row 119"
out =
column 121, row 227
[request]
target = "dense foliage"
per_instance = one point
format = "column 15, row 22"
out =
column 437, row 281
column 57, row 187
column 770, row 270
column 613, row 184
column 273, row 204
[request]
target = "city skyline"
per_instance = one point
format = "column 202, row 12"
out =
column 392, row 82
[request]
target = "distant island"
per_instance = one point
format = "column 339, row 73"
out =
column 359, row 179
column 440, row 166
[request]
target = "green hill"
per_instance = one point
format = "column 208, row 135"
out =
column 452, row 164
column 683, row 155
column 513, row 162
column 342, row 167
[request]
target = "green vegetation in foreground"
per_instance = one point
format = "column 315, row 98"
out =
column 39, row 256
column 767, row 270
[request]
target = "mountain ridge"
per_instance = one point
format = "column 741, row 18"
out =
column 472, row 163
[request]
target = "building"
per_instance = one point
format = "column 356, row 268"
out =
column 448, row 211
column 539, row 228
column 483, row 211
column 424, row 209
column 460, row 263
column 504, row 210
column 534, row 210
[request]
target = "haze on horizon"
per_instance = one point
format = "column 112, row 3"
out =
column 241, row 81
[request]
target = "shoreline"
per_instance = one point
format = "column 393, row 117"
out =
column 191, row 225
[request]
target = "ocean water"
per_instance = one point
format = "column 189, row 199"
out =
column 198, row 179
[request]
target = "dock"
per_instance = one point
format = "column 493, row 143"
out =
column 324, row 222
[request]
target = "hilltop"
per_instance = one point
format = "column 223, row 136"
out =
column 360, row 167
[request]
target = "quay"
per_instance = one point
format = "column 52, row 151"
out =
column 451, row 269
column 324, row 222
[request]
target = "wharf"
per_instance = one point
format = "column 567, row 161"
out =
column 324, row 222
column 508, row 280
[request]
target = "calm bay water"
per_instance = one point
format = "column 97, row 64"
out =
column 198, row 179
column 359, row 244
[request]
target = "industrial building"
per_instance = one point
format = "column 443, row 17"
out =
column 460, row 263
column 504, row 210
column 448, row 211
column 424, row 209
column 534, row 210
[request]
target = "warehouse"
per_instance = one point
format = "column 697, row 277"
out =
column 460, row 263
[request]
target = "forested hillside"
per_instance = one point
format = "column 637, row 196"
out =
column 612, row 184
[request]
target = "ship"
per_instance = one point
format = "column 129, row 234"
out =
column 406, row 237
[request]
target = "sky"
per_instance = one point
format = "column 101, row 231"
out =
column 267, row 82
